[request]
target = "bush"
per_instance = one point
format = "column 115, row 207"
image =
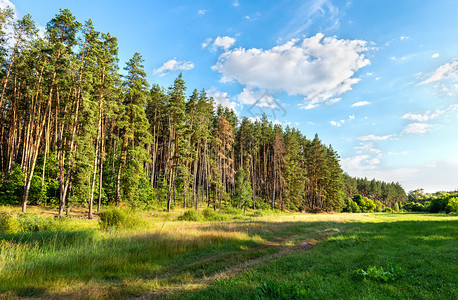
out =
column 230, row 210
column 396, row 207
column 33, row 223
column 388, row 209
column 258, row 213
column 114, row 217
column 190, row 215
column 378, row 206
column 438, row 204
column 351, row 206
column 452, row 205
column 210, row 215
column 8, row 224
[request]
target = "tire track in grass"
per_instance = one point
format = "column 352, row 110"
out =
column 282, row 246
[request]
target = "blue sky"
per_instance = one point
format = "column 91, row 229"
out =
column 376, row 79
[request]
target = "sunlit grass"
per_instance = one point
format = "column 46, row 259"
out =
column 169, row 258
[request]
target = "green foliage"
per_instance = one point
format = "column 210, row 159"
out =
column 8, row 223
column 190, row 215
column 276, row 290
column 452, row 205
column 396, row 207
column 438, row 204
column 115, row 217
column 34, row 222
column 230, row 210
column 378, row 274
column 12, row 186
column 378, row 206
column 413, row 206
column 210, row 215
column 351, row 206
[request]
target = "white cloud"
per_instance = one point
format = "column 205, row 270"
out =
column 8, row 27
column 359, row 162
column 416, row 128
column 201, row 12
column 259, row 97
column 338, row 123
column 360, row 103
column 206, row 43
column 221, row 98
column 435, row 55
column 446, row 71
column 372, row 137
column 319, row 68
column 404, row 38
column 173, row 65
column 429, row 115
column 224, row 42
column 341, row 122
column 236, row 3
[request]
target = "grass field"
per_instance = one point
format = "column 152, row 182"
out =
column 302, row 256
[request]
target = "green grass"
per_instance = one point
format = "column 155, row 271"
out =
column 297, row 255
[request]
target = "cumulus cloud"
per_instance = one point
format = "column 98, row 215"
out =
column 236, row 3
column 201, row 12
column 372, row 137
column 318, row 68
column 429, row 115
column 416, row 128
column 360, row 103
column 404, row 38
column 224, row 42
column 446, row 71
column 173, row 65
column 221, row 98
column 435, row 55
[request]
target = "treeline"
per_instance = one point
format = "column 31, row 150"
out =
column 418, row 200
column 386, row 193
column 76, row 131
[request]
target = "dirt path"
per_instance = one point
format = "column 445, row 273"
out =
column 283, row 247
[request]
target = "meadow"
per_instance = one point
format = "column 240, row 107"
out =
column 271, row 256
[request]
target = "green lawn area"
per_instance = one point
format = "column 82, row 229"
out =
column 272, row 257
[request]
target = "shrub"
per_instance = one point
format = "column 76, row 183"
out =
column 190, row 215
column 396, row 207
column 388, row 209
column 33, row 222
column 438, row 204
column 230, row 210
column 378, row 206
column 370, row 205
column 452, row 205
column 351, row 206
column 8, row 224
column 114, row 217
column 210, row 215
column 258, row 213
